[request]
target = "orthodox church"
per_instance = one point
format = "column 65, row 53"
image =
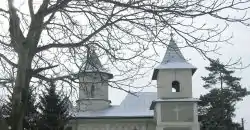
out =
column 172, row 107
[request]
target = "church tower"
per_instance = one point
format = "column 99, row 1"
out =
column 93, row 91
column 175, row 108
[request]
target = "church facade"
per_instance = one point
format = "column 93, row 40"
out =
column 172, row 107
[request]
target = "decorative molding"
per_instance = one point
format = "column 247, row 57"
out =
column 112, row 126
column 92, row 99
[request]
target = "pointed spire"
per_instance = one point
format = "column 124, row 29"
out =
column 173, row 59
column 93, row 64
column 173, row 53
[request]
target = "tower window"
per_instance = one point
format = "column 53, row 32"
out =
column 92, row 91
column 175, row 86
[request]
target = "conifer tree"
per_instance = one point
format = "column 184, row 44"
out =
column 3, row 124
column 217, row 107
column 54, row 110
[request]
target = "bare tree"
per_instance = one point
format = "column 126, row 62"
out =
column 43, row 41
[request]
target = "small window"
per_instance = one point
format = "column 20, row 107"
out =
column 175, row 86
column 92, row 91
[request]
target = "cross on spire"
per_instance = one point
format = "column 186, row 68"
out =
column 171, row 34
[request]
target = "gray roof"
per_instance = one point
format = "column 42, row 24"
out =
column 93, row 64
column 173, row 59
column 131, row 107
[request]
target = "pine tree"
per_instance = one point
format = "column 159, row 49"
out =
column 31, row 113
column 3, row 124
column 54, row 110
column 217, row 107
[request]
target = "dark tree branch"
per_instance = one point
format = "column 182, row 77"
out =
column 3, row 10
column 31, row 9
column 36, row 71
column 60, row 4
column 79, row 44
column 14, row 29
column 8, row 61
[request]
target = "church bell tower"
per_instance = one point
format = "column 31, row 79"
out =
column 93, row 90
column 175, row 108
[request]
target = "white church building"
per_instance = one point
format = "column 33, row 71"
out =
column 172, row 107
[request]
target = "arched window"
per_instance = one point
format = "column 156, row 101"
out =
column 176, row 86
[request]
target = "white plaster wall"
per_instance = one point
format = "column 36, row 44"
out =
column 175, row 125
column 185, row 114
column 167, row 76
column 113, row 124
column 100, row 83
column 93, row 105
column 100, row 99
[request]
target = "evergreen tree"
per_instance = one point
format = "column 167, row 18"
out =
column 54, row 110
column 217, row 107
column 31, row 113
column 3, row 124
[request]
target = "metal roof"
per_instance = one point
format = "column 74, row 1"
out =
column 173, row 59
column 131, row 107
column 94, row 65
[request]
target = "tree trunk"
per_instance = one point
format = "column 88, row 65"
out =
column 3, row 124
column 19, row 102
column 222, row 106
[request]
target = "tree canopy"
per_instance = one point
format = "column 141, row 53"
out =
column 216, row 109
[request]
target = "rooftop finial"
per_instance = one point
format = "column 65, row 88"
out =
column 171, row 34
column 92, row 47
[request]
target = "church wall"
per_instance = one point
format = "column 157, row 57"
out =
column 101, row 87
column 176, row 126
column 165, row 79
column 181, row 128
column 84, row 105
column 169, row 112
column 113, row 124
column 167, row 118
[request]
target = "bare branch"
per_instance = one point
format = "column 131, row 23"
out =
column 79, row 44
column 15, row 30
column 42, row 69
column 2, row 10
column 7, row 60
column 31, row 10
